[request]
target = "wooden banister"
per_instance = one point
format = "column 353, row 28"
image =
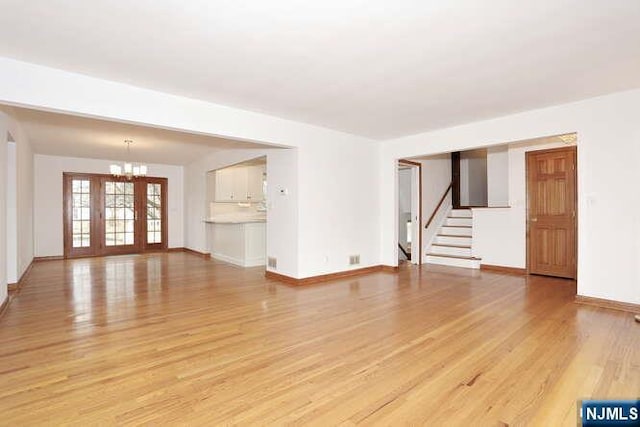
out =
column 404, row 251
column 435, row 211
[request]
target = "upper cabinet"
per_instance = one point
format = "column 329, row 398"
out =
column 255, row 178
column 224, row 179
column 239, row 184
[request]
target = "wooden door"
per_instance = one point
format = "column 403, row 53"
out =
column 551, row 207
column 81, row 215
column 154, row 206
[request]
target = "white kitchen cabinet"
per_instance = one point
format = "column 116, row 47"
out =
column 239, row 184
column 255, row 177
column 225, row 185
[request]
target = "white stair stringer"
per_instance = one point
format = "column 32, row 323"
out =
column 452, row 245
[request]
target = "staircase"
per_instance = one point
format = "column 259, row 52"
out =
column 452, row 244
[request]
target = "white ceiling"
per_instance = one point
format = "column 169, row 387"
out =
column 66, row 135
column 378, row 68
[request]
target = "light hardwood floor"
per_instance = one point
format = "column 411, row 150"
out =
column 171, row 339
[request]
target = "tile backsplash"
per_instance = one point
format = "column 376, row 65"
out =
column 217, row 209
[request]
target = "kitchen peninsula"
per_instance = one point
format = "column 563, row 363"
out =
column 236, row 225
column 237, row 240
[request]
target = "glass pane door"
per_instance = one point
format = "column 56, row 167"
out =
column 155, row 225
column 107, row 215
column 119, row 216
column 81, row 213
column 80, row 238
column 154, row 214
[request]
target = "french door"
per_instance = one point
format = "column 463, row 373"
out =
column 107, row 215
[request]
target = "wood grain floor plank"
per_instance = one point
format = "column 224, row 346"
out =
column 167, row 339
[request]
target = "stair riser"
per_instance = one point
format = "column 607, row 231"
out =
column 460, row 241
column 454, row 262
column 461, row 212
column 456, row 231
column 446, row 250
column 459, row 221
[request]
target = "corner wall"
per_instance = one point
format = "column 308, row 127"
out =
column 282, row 210
column 24, row 194
column 608, row 133
column 3, row 208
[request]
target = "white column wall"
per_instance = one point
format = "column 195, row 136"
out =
column 12, row 213
column 3, row 208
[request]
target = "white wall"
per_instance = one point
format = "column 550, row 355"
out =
column 23, row 224
column 436, row 177
column 404, row 204
column 338, row 206
column 48, row 230
column 404, row 190
column 3, row 207
column 282, row 210
column 608, row 133
column 12, row 214
column 473, row 178
column 24, row 197
column 498, row 176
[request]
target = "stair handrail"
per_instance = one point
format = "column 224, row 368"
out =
column 404, row 251
column 444, row 196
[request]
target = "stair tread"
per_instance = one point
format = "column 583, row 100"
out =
column 453, row 235
column 458, row 226
column 458, row 217
column 471, row 258
column 451, row 246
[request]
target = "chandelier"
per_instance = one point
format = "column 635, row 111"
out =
column 129, row 169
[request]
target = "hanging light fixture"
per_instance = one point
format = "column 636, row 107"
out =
column 129, row 169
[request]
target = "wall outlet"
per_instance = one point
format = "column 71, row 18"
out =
column 272, row 262
column 354, row 259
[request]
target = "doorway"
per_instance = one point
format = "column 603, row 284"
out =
column 108, row 215
column 409, row 211
column 551, row 212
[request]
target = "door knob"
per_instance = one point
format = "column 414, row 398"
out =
column 534, row 219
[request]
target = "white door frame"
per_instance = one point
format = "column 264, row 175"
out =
column 416, row 210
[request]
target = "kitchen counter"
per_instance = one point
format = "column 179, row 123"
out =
column 239, row 240
column 235, row 219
